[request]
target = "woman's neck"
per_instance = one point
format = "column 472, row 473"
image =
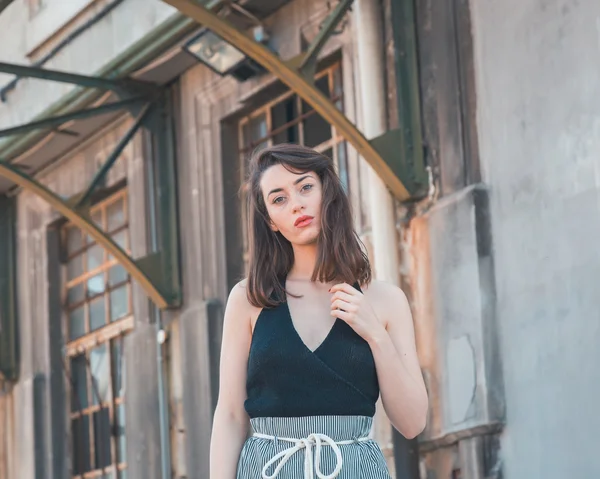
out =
column 305, row 259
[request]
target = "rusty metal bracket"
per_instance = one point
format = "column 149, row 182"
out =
column 296, row 81
column 151, row 284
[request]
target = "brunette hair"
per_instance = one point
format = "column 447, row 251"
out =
column 341, row 255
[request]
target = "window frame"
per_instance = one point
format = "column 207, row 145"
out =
column 109, row 336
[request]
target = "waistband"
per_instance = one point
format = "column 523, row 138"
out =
column 338, row 428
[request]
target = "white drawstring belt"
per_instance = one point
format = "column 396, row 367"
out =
column 317, row 440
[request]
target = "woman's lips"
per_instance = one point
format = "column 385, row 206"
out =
column 303, row 221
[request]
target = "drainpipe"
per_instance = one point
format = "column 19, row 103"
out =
column 368, row 26
column 371, row 67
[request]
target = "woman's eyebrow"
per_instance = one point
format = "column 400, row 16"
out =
column 299, row 180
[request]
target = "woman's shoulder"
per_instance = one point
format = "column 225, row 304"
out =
column 383, row 292
column 238, row 301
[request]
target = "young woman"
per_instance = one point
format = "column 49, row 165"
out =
column 309, row 341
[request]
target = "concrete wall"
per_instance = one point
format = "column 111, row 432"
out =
column 27, row 38
column 539, row 131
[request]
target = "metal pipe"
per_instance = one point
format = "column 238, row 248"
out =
column 368, row 24
column 371, row 70
column 153, row 228
column 63, row 77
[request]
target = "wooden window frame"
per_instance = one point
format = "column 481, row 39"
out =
column 105, row 336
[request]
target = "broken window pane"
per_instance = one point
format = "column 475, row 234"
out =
column 100, row 369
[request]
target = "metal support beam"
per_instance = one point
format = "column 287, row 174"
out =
column 75, row 115
column 114, row 156
column 308, row 64
column 298, row 84
column 80, row 220
column 117, row 85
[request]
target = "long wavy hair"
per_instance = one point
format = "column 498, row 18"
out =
column 341, row 254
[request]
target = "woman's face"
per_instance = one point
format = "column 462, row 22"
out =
column 293, row 202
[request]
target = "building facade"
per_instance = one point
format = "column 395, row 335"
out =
column 109, row 354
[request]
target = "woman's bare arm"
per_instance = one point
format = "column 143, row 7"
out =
column 230, row 422
column 382, row 317
column 403, row 391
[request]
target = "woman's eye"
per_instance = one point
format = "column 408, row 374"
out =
column 308, row 186
column 279, row 199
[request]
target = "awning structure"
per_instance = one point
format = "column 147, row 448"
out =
column 143, row 101
column 400, row 167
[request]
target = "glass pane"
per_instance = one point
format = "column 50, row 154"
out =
column 121, row 239
column 316, row 129
column 103, row 457
column 75, row 267
column 116, row 275
column 79, row 397
column 342, row 166
column 80, row 432
column 255, row 129
column 115, row 214
column 75, row 294
column 95, row 257
column 95, row 285
column 97, row 313
column 120, row 433
column 100, row 368
column 77, row 323
column 123, row 474
column 74, row 240
column 117, row 367
column 119, row 303
column 96, row 218
column 281, row 114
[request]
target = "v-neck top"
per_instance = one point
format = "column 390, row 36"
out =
column 286, row 379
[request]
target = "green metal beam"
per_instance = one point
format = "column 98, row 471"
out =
column 114, row 156
column 75, row 115
column 118, row 85
column 87, row 225
column 308, row 64
column 298, row 84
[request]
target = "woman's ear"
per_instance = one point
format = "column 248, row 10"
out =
column 273, row 227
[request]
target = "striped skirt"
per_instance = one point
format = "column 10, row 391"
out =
column 312, row 447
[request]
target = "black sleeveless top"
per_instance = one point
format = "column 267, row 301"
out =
column 287, row 379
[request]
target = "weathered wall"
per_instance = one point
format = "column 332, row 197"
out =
column 26, row 38
column 539, row 132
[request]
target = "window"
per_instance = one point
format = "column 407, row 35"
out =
column 288, row 119
column 97, row 298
